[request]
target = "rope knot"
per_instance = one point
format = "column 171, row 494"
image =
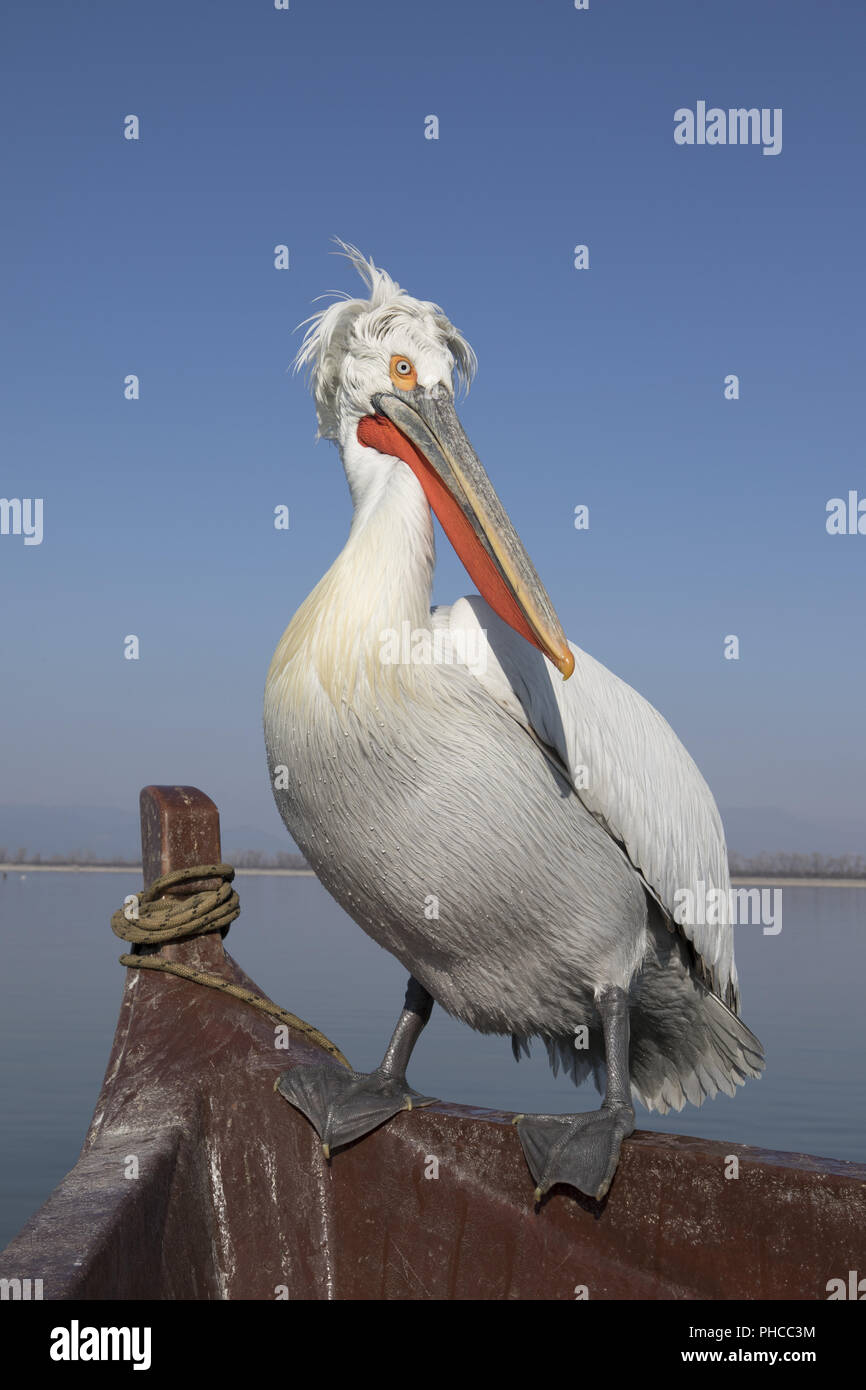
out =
column 155, row 919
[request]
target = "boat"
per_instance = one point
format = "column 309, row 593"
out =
column 196, row 1181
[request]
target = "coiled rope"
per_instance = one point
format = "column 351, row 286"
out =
column 157, row 919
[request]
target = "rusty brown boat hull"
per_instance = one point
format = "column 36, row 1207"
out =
column 233, row 1198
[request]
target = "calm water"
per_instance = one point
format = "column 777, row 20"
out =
column 61, row 985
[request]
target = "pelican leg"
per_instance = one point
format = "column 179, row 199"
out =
column 583, row 1150
column 345, row 1105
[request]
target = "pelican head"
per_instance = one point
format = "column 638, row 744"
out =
column 383, row 373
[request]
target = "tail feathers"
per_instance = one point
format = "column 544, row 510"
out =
column 672, row 1065
column 668, row 1065
column 685, row 1043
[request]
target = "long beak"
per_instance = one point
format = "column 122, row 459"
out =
column 422, row 428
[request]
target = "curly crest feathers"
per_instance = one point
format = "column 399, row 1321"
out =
column 348, row 326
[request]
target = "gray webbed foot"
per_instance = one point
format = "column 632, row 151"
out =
column 581, row 1150
column 345, row 1105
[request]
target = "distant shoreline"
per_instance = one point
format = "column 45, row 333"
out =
column 130, row 869
column 765, row 881
column 758, row 881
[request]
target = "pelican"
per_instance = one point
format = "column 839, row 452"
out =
column 489, row 803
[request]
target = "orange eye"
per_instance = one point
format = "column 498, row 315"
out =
column 403, row 374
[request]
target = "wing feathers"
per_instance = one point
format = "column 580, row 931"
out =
column 630, row 771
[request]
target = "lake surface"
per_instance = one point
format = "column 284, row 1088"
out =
column 61, row 985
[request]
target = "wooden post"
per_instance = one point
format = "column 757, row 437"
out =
column 180, row 827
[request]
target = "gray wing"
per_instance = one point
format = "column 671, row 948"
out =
column 629, row 769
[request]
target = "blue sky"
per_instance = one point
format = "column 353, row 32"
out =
column 603, row 387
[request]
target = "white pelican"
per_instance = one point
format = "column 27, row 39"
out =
column 514, row 838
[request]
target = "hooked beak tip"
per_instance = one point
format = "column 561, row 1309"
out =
column 564, row 663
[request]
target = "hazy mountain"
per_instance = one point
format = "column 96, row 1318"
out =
column 768, row 830
column 102, row 832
